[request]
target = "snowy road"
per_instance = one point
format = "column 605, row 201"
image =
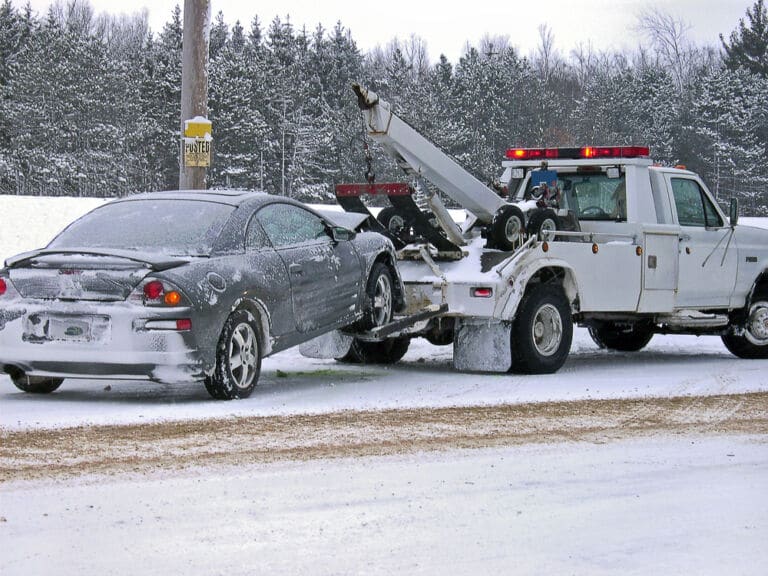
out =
column 648, row 463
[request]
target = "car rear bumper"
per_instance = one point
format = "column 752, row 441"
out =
column 98, row 340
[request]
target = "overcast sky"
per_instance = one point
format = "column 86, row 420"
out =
column 447, row 26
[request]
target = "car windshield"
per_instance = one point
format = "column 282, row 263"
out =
column 174, row 227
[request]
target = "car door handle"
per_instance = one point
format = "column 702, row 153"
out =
column 295, row 269
column 685, row 237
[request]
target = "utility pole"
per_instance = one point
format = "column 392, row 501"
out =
column 194, row 94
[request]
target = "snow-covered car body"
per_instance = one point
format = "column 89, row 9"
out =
column 141, row 287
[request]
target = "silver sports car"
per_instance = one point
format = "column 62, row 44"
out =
column 179, row 286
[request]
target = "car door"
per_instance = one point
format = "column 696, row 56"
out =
column 324, row 275
column 707, row 250
column 266, row 280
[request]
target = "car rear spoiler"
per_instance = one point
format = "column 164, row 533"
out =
column 156, row 262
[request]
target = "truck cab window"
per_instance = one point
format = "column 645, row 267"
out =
column 693, row 207
column 594, row 196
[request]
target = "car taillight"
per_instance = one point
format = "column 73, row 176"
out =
column 184, row 324
column 153, row 290
column 157, row 293
column 3, row 286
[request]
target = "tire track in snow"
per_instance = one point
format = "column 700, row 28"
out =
column 172, row 446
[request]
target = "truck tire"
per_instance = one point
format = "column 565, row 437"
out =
column 380, row 296
column 542, row 331
column 392, row 220
column 508, row 228
column 34, row 384
column 543, row 223
column 385, row 352
column 238, row 358
column 623, row 338
column 753, row 342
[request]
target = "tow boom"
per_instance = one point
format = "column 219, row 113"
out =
column 415, row 152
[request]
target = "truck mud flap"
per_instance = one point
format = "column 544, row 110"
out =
column 333, row 344
column 482, row 345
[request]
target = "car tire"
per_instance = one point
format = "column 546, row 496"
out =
column 543, row 224
column 508, row 228
column 629, row 338
column 238, row 358
column 379, row 309
column 35, row 384
column 752, row 344
column 542, row 331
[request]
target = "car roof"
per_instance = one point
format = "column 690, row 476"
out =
column 230, row 197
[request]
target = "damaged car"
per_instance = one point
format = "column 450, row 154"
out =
column 190, row 286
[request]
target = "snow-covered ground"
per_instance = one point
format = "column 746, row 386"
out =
column 671, row 504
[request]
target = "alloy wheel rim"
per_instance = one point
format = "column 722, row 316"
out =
column 243, row 355
column 382, row 301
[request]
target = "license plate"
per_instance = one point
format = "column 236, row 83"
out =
column 70, row 330
column 52, row 328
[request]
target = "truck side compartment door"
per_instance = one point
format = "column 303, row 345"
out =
column 707, row 250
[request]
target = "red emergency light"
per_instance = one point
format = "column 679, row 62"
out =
column 578, row 153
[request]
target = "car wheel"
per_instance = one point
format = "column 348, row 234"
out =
column 543, row 224
column 508, row 227
column 623, row 338
column 542, row 331
column 35, row 384
column 238, row 358
column 380, row 297
column 753, row 342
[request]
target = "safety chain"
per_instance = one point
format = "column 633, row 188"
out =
column 370, row 176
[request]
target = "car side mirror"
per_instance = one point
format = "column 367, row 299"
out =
column 733, row 212
column 340, row 234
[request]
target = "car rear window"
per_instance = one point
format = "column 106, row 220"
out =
column 175, row 227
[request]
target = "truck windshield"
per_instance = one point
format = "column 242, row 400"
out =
column 592, row 196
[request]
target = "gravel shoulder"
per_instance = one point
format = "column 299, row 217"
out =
column 232, row 441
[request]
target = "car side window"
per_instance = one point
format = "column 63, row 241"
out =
column 693, row 206
column 286, row 224
column 255, row 237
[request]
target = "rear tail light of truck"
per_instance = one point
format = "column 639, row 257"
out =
column 3, row 286
column 481, row 292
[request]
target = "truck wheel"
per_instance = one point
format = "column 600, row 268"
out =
column 392, row 220
column 543, row 224
column 385, row 352
column 753, row 343
column 624, row 338
column 238, row 358
column 542, row 331
column 508, row 227
column 34, row 384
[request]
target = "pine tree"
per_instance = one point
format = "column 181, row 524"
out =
column 748, row 46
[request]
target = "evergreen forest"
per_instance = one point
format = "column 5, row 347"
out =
column 90, row 104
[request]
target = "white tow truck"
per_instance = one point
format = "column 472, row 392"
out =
column 598, row 236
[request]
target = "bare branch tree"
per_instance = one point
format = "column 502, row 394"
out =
column 669, row 38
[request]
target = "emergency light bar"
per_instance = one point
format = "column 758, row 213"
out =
column 578, row 153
